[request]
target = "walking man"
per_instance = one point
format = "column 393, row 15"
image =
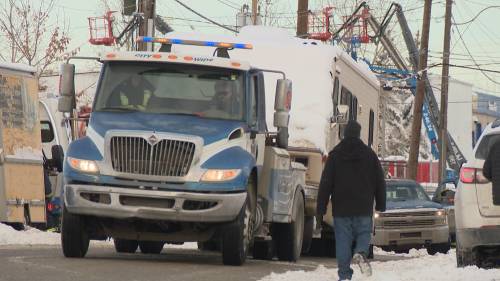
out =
column 352, row 179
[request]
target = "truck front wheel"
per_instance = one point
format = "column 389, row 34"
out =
column 74, row 236
column 288, row 236
column 237, row 236
column 125, row 246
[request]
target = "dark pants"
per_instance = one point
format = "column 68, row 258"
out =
column 349, row 231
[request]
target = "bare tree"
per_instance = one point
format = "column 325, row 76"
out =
column 30, row 37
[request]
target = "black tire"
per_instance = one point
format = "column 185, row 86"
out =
column 151, row 247
column 210, row 245
column 125, row 246
column 288, row 236
column 308, row 234
column 442, row 248
column 236, row 238
column 263, row 250
column 74, row 237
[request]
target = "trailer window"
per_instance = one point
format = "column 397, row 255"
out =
column 370, row 128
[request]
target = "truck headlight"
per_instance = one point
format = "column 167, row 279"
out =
column 376, row 215
column 86, row 166
column 218, row 175
column 440, row 213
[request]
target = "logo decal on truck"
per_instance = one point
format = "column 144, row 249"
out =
column 153, row 140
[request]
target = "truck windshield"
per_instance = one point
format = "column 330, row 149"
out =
column 405, row 192
column 168, row 88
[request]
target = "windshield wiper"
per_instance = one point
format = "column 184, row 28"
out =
column 117, row 108
column 187, row 114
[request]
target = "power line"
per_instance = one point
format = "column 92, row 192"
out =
column 475, row 17
column 229, row 5
column 206, row 18
column 468, row 51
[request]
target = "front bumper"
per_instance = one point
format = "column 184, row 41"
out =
column 126, row 203
column 469, row 238
column 410, row 236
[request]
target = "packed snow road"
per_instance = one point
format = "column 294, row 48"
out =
column 35, row 255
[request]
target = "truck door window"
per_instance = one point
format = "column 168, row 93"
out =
column 47, row 131
column 354, row 108
column 254, row 98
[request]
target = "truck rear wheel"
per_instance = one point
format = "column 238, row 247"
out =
column 151, row 247
column 308, row 234
column 288, row 236
column 125, row 246
column 74, row 236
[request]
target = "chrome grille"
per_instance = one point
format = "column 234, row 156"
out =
column 167, row 158
column 408, row 223
column 408, row 214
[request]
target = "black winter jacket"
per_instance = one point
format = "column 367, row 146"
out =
column 491, row 170
column 353, row 178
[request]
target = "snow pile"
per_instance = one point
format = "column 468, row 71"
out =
column 31, row 236
column 417, row 265
column 26, row 153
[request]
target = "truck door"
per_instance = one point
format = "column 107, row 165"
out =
column 258, row 117
column 22, row 194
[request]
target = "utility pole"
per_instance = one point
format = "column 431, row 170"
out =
column 146, row 26
column 443, row 120
column 302, row 17
column 419, row 96
column 254, row 11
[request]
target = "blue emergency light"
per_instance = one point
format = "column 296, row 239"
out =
column 148, row 39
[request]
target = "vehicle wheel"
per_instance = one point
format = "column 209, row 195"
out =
column 237, row 237
column 74, row 236
column 263, row 250
column 125, row 246
column 210, row 245
column 288, row 236
column 442, row 248
column 151, row 247
column 308, row 234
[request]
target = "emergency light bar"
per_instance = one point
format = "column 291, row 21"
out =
column 148, row 39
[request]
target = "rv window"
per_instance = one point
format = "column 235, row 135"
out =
column 335, row 95
column 354, row 108
column 370, row 129
column 47, row 131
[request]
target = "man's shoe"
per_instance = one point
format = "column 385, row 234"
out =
column 363, row 264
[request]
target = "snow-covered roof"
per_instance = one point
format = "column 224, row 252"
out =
column 18, row 67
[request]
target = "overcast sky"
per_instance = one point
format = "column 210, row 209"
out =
column 482, row 36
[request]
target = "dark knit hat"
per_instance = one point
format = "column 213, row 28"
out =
column 352, row 130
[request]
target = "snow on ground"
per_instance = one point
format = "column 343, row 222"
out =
column 33, row 236
column 417, row 265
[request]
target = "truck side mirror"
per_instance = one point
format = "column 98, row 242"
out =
column 67, row 102
column 57, row 157
column 282, row 103
column 343, row 114
column 282, row 106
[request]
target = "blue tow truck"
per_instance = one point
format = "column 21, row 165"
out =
column 177, row 149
